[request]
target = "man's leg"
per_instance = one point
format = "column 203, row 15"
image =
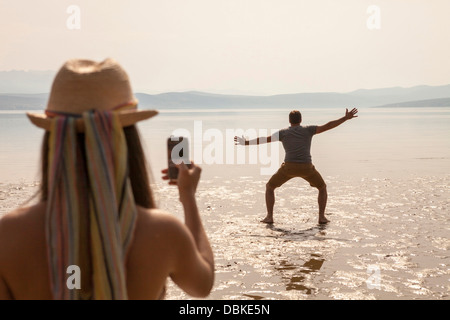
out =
column 315, row 180
column 276, row 181
column 270, row 202
column 322, row 200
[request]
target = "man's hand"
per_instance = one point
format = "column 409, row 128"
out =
column 351, row 114
column 239, row 140
column 333, row 124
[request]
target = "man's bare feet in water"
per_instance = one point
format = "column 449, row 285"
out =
column 323, row 220
column 268, row 220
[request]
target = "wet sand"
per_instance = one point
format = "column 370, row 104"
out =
column 399, row 227
column 387, row 239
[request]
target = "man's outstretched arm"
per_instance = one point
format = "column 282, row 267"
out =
column 242, row 141
column 333, row 124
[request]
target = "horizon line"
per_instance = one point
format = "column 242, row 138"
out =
column 249, row 95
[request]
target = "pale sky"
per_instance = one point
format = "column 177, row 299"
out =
column 259, row 47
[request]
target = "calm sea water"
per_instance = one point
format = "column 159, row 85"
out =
column 380, row 142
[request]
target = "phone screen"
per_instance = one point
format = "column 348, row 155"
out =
column 177, row 152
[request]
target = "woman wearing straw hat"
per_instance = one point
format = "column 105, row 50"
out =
column 96, row 214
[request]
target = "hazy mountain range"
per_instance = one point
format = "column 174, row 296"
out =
column 21, row 82
column 16, row 81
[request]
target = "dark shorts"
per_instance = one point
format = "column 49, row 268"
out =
column 289, row 170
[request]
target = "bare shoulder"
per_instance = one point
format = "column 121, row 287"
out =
column 157, row 218
column 21, row 236
column 157, row 223
column 158, row 235
column 26, row 220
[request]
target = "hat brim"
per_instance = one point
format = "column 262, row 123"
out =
column 126, row 118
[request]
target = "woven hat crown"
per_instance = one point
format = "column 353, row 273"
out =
column 85, row 85
column 82, row 85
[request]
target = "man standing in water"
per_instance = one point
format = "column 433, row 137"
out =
column 296, row 141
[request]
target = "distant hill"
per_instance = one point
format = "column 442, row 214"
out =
column 26, row 81
column 359, row 98
column 443, row 102
column 207, row 100
column 23, row 101
column 420, row 96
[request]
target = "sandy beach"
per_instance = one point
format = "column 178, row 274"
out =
column 388, row 238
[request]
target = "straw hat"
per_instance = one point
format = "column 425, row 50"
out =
column 83, row 85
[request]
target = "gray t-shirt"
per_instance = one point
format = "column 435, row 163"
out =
column 296, row 142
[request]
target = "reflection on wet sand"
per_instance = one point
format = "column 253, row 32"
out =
column 296, row 281
column 254, row 297
column 314, row 233
column 296, row 273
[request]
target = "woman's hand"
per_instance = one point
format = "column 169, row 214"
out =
column 187, row 180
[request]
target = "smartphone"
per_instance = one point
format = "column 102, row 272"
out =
column 177, row 152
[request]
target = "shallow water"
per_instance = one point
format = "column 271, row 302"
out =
column 387, row 239
column 379, row 143
column 380, row 244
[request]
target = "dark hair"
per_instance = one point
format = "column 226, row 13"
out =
column 295, row 117
column 137, row 168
